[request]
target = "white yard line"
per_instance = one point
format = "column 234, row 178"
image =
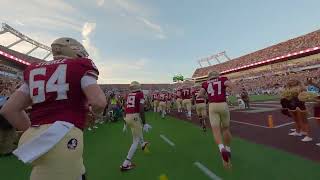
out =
column 167, row 140
column 313, row 118
column 285, row 124
column 239, row 122
column 206, row 171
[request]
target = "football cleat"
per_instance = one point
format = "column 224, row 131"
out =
column 127, row 167
column 225, row 155
column 144, row 145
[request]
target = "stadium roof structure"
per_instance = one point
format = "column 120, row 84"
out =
column 216, row 59
column 22, row 58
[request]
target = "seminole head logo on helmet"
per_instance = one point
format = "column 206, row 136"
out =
column 135, row 86
column 213, row 75
column 66, row 47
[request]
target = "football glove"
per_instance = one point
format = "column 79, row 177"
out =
column 146, row 127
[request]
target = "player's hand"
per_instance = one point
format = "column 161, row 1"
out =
column 146, row 127
column 124, row 128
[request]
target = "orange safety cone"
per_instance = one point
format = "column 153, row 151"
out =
column 270, row 121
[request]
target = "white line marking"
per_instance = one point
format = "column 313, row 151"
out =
column 167, row 140
column 285, row 124
column 239, row 122
column 256, row 125
column 205, row 170
column 313, row 118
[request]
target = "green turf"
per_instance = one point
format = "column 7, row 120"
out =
column 107, row 147
column 253, row 98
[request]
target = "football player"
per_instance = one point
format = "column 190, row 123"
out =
column 169, row 101
column 219, row 113
column 58, row 92
column 201, row 106
column 178, row 94
column 163, row 102
column 135, row 119
column 186, row 97
column 155, row 99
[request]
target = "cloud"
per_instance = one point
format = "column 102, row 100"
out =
column 153, row 27
column 100, row 2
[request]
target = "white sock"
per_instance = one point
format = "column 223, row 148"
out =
column 228, row 148
column 154, row 109
column 126, row 162
column 131, row 152
column 189, row 113
column 221, row 146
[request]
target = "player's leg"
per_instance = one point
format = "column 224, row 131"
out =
column 204, row 116
column 302, row 116
column 154, row 106
column 215, row 122
column 178, row 103
column 188, row 107
column 297, row 124
column 136, row 129
column 225, row 126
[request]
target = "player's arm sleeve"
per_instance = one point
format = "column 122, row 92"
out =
column 87, row 80
column 90, row 69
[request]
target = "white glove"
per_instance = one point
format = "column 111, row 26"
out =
column 146, row 127
column 124, row 128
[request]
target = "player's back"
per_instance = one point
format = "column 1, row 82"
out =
column 55, row 90
column 133, row 102
column 186, row 93
column 216, row 89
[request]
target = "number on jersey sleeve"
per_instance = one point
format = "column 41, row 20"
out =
column 56, row 83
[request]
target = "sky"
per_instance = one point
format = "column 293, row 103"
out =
column 152, row 40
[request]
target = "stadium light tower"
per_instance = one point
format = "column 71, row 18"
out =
column 217, row 58
column 8, row 29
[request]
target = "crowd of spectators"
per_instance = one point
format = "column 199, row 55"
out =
column 293, row 45
column 8, row 85
column 272, row 84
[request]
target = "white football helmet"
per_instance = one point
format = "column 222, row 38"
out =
column 213, row 75
column 68, row 48
column 135, row 86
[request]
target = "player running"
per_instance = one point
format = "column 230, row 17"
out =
column 186, row 98
column 155, row 99
column 201, row 106
column 135, row 119
column 58, row 92
column 163, row 102
column 219, row 113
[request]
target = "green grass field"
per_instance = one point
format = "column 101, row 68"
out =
column 253, row 98
column 106, row 148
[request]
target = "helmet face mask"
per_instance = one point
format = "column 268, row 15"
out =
column 68, row 48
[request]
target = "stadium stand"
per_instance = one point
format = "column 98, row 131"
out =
column 305, row 45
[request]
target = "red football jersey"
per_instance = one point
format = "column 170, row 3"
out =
column 134, row 101
column 186, row 93
column 198, row 100
column 55, row 90
column 178, row 93
column 169, row 96
column 216, row 89
column 163, row 97
column 155, row 97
